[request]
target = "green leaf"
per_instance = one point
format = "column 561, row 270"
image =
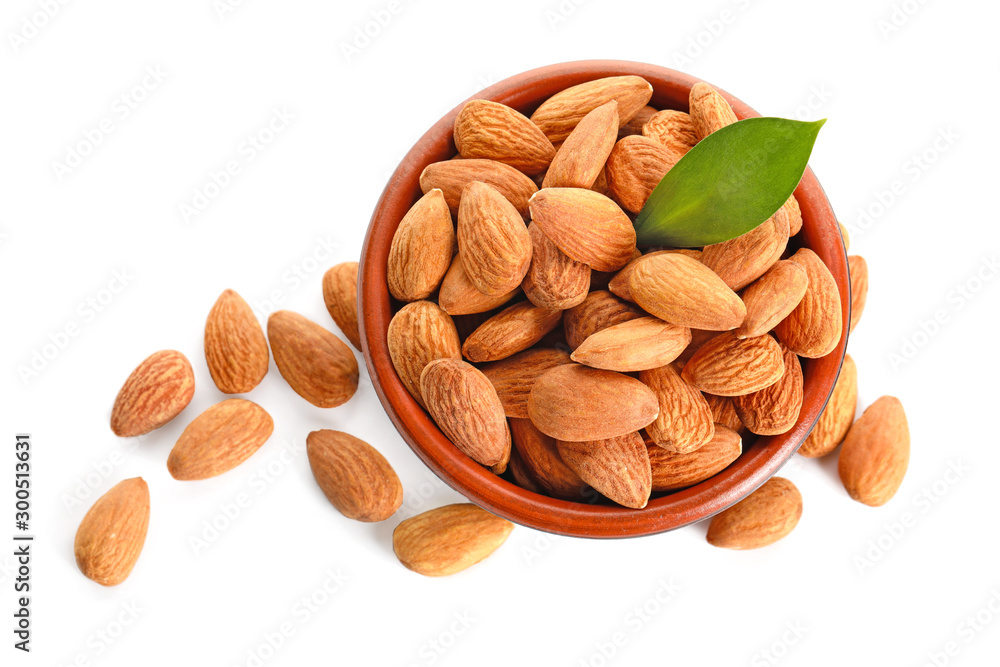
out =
column 730, row 182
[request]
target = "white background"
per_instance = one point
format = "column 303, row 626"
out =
column 303, row 203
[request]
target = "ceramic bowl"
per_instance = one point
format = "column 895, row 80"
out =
column 762, row 456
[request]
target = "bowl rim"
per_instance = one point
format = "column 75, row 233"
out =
column 756, row 464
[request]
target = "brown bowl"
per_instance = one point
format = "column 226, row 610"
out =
column 760, row 460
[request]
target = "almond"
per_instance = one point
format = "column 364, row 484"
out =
column 554, row 280
column 560, row 114
column 510, row 331
column 744, row 259
column 775, row 409
column 493, row 242
column 685, row 422
column 422, row 248
column 340, row 294
column 813, row 329
column 724, row 412
column 762, row 518
column 466, row 408
column 514, row 376
column 494, row 131
column 638, row 121
column 772, row 297
column 353, row 476
column 672, row 471
column 617, row 467
column 837, row 416
column 156, row 392
column 448, row 539
column 582, row 156
column 794, row 213
column 458, row 296
column 315, row 363
column 859, row 287
column 418, row 334
column 730, row 366
column 634, row 169
column 672, row 129
column 619, row 285
column 876, row 453
column 235, row 347
column 576, row 403
column 110, row 537
column 709, row 110
column 219, row 439
column 683, row 291
column 636, row 345
column 540, row 456
column 598, row 311
column 585, row 225
column 451, row 177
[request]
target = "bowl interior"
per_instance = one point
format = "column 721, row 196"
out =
column 761, row 457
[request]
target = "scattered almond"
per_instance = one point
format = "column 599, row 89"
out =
column 110, row 537
column 235, row 347
column 876, row 453
column 340, row 294
column 315, row 363
column 219, row 439
column 448, row 539
column 156, row 392
column 353, row 476
column 762, row 518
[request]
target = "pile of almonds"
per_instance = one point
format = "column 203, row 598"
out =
column 530, row 317
column 550, row 349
